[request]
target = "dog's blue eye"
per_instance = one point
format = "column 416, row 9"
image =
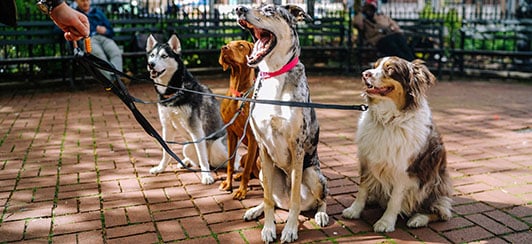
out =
column 164, row 56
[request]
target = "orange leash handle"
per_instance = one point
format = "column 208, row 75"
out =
column 88, row 47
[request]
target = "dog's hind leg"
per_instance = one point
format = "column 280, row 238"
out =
column 420, row 220
column 249, row 160
column 218, row 154
column 190, row 156
column 227, row 184
column 441, row 210
column 316, row 182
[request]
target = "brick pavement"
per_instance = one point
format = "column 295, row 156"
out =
column 74, row 168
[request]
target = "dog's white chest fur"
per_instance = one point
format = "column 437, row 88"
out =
column 392, row 139
column 176, row 117
column 273, row 125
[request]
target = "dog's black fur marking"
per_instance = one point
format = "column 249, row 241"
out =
column 182, row 78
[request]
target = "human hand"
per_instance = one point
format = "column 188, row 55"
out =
column 101, row 29
column 73, row 23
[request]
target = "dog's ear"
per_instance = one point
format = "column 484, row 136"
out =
column 422, row 78
column 222, row 62
column 298, row 12
column 150, row 43
column 175, row 44
column 423, row 73
column 250, row 46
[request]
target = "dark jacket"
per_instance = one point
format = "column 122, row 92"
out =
column 97, row 17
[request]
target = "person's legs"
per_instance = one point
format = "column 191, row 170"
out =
column 98, row 51
column 113, row 52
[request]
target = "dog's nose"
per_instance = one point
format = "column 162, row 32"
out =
column 225, row 47
column 151, row 65
column 241, row 10
column 367, row 74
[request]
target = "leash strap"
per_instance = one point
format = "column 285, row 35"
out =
column 92, row 64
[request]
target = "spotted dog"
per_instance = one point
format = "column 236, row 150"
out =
column 195, row 115
column 287, row 136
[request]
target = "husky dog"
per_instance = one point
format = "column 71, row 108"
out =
column 287, row 136
column 196, row 115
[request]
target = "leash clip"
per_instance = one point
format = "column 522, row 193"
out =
column 86, row 41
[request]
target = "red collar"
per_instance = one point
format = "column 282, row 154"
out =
column 235, row 92
column 283, row 70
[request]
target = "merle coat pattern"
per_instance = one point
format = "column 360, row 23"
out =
column 287, row 136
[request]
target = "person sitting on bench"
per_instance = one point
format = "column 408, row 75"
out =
column 382, row 32
column 101, row 33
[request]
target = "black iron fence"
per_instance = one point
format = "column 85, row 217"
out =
column 479, row 35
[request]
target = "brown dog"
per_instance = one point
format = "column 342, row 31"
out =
column 233, row 55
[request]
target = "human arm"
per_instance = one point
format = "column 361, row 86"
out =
column 73, row 23
column 393, row 25
column 358, row 21
column 103, row 25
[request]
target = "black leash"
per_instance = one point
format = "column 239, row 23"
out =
column 101, row 64
column 94, row 64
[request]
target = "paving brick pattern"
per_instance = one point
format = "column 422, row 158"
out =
column 74, row 169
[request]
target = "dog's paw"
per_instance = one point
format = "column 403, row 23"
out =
column 289, row 234
column 156, row 170
column 352, row 213
column 253, row 213
column 268, row 234
column 418, row 220
column 384, row 225
column 238, row 176
column 240, row 194
column 206, row 179
column 321, row 218
column 225, row 185
column 184, row 164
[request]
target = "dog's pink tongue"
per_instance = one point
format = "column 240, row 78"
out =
column 381, row 91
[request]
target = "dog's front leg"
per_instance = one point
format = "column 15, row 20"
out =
column 168, row 132
column 353, row 212
column 289, row 233
column 387, row 222
column 268, row 231
column 201, row 150
column 227, row 184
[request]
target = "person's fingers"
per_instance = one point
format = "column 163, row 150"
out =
column 67, row 36
column 70, row 36
column 82, row 26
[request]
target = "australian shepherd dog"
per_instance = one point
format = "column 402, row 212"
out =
column 403, row 165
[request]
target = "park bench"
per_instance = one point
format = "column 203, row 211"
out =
column 202, row 39
column 500, row 48
column 323, row 43
column 33, row 50
column 424, row 36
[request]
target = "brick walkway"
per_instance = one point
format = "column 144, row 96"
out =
column 74, row 168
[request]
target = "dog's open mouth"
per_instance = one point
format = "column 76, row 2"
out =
column 264, row 39
column 383, row 91
column 154, row 73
